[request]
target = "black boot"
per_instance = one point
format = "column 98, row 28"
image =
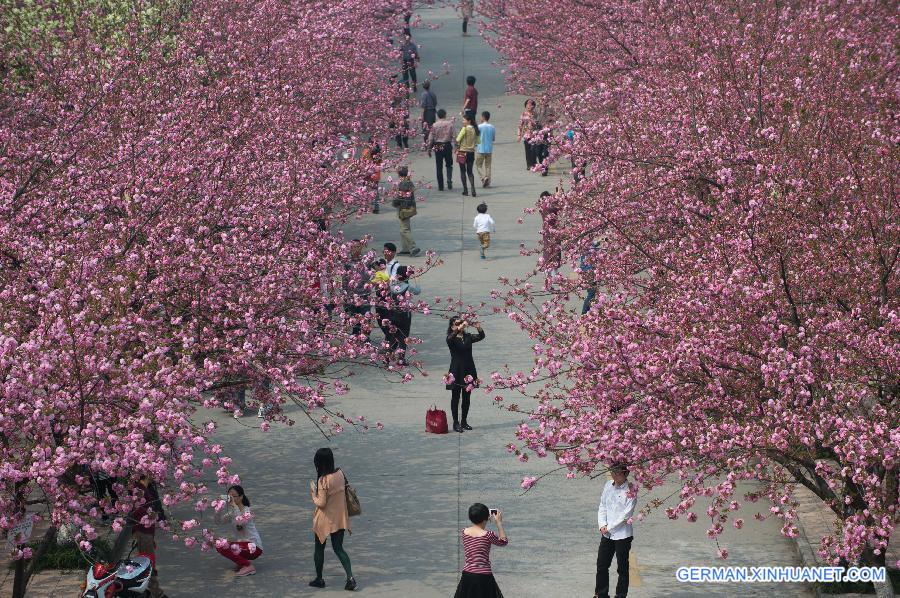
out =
column 466, row 426
column 457, row 427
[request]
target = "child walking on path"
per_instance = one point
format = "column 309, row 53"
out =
column 484, row 226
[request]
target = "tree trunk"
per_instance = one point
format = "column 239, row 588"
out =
column 883, row 589
column 19, row 581
column 23, row 573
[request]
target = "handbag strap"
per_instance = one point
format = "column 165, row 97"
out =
column 346, row 481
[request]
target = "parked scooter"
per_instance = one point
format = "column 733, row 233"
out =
column 130, row 578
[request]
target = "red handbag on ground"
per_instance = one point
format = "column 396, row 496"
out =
column 436, row 420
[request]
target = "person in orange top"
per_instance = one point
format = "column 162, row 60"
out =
column 330, row 518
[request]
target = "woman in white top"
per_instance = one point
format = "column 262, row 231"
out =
column 246, row 546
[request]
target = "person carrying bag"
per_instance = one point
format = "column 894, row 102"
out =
column 466, row 141
column 405, row 202
column 332, row 516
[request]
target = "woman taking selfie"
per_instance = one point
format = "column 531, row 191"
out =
column 462, row 368
column 246, row 546
column 330, row 518
column 477, row 578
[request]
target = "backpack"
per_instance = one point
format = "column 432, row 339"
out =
column 406, row 199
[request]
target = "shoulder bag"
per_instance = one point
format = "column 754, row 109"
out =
column 353, row 506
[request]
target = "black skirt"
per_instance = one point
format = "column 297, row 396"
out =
column 477, row 585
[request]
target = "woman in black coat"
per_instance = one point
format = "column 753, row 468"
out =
column 462, row 366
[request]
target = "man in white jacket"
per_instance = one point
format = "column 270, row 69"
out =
column 614, row 520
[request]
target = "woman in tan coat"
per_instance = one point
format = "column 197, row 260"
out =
column 330, row 518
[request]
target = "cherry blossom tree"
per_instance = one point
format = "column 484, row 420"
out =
column 166, row 207
column 741, row 191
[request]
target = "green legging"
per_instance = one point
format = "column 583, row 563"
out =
column 337, row 544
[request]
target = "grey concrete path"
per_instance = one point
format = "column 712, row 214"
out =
column 415, row 487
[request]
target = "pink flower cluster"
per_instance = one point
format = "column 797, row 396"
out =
column 739, row 219
column 165, row 238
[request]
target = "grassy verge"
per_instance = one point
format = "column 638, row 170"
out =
column 68, row 558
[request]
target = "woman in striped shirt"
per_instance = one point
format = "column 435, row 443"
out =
column 477, row 579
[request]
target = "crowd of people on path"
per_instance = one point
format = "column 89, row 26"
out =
column 382, row 289
column 334, row 502
column 474, row 141
column 329, row 494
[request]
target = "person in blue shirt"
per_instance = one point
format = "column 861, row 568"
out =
column 484, row 149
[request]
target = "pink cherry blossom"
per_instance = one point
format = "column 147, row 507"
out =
column 170, row 205
column 739, row 222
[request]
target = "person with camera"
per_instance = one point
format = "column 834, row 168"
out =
column 464, row 376
column 246, row 545
column 477, row 579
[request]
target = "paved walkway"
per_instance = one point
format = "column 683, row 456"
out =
column 415, row 487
